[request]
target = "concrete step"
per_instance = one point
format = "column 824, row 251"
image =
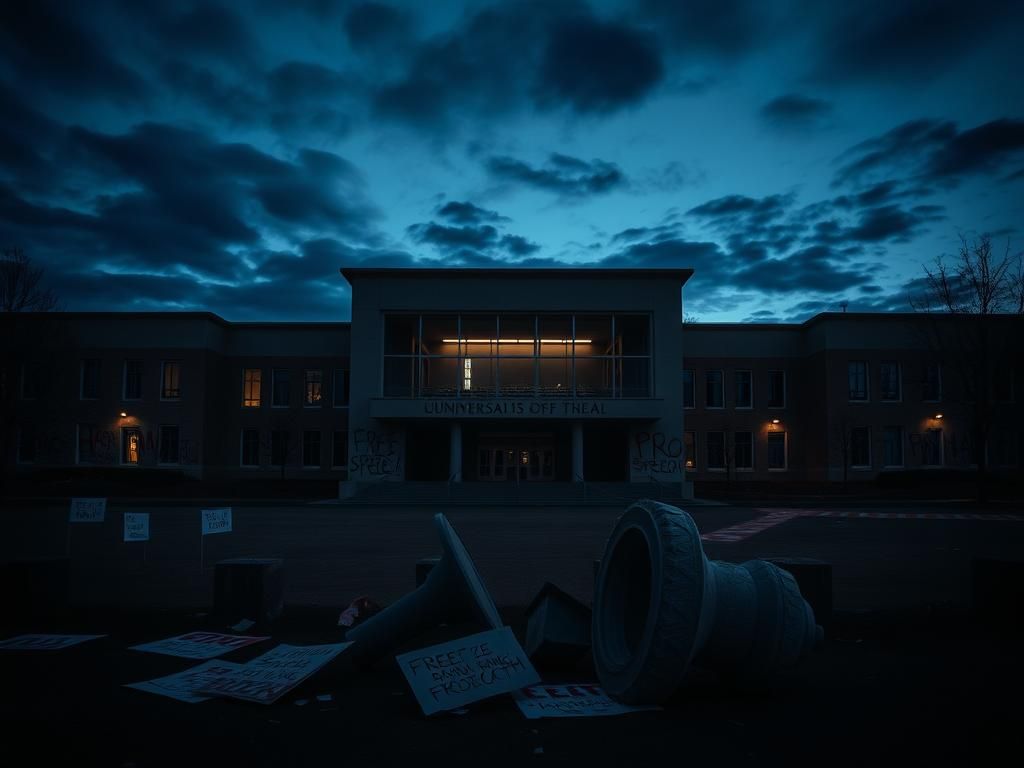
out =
column 415, row 493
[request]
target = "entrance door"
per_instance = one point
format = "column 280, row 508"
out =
column 519, row 463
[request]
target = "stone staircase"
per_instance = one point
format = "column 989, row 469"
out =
column 418, row 493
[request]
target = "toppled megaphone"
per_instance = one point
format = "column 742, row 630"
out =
column 453, row 592
column 660, row 604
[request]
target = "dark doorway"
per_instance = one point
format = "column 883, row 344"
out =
column 427, row 452
column 606, row 452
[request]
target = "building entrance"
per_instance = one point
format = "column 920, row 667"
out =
column 516, row 458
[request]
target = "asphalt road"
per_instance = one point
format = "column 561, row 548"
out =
column 335, row 553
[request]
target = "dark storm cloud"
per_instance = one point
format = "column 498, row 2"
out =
column 562, row 174
column 377, row 27
column 517, row 245
column 795, row 111
column 47, row 41
column 504, row 58
column 903, row 41
column 933, row 151
column 467, row 213
column 454, row 238
column 209, row 29
column 597, row 67
column 723, row 27
column 749, row 216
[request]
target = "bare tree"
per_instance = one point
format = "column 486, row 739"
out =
column 21, row 284
column 969, row 303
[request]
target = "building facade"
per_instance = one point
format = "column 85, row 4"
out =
column 496, row 376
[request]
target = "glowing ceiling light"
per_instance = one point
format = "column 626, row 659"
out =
column 515, row 341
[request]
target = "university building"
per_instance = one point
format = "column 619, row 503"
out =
column 493, row 377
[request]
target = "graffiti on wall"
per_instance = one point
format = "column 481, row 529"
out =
column 375, row 454
column 654, row 453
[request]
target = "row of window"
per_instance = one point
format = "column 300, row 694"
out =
column 284, row 448
column 736, row 450
column 89, row 380
column 743, row 389
column 281, row 388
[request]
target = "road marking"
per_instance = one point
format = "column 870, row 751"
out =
column 769, row 518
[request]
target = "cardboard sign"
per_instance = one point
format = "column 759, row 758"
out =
column 579, row 700
column 88, row 510
column 136, row 526
column 216, row 520
column 183, row 686
column 199, row 645
column 451, row 675
column 267, row 678
column 44, row 642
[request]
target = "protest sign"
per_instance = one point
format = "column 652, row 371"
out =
column 183, row 686
column 451, row 675
column 267, row 678
column 136, row 526
column 44, row 642
column 216, row 520
column 88, row 510
column 199, row 645
column 579, row 700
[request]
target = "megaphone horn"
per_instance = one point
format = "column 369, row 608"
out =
column 659, row 604
column 453, row 591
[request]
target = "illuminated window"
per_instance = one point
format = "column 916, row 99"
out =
column 314, row 387
column 857, row 375
column 169, row 444
column 131, row 445
column 132, row 380
column 250, row 448
column 744, row 389
column 690, row 449
column 467, row 374
column 90, row 381
column 171, row 378
column 252, row 385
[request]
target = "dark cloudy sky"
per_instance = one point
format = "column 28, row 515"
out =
column 231, row 157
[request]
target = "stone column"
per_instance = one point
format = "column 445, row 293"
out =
column 455, row 457
column 577, row 452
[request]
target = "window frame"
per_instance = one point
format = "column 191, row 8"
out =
column 707, row 451
column 687, row 457
column 306, row 382
column 938, row 380
column 867, row 445
column 273, row 387
column 867, row 382
column 122, row 452
column 693, row 389
column 247, row 391
column 886, row 430
column 721, row 389
column 78, row 443
column 785, row 394
column 241, row 448
column 163, row 381
column 942, row 448
column 346, row 389
column 785, row 451
column 750, row 389
column 160, row 446
column 124, row 381
column 735, row 442
column 319, row 449
column 899, row 382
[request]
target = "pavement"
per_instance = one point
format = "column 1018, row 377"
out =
column 907, row 674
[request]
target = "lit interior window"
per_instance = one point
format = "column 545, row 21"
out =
column 467, row 374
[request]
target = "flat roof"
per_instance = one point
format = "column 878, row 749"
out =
column 682, row 275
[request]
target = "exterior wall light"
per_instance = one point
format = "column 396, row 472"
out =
column 938, row 416
column 124, row 415
column 775, row 421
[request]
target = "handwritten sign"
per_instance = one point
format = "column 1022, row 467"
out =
column 452, row 675
column 199, row 645
column 136, row 526
column 183, row 686
column 88, row 510
column 44, row 642
column 580, row 700
column 267, row 678
column 216, row 520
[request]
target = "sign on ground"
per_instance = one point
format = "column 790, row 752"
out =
column 199, row 645
column 184, row 686
column 44, row 642
column 136, row 526
column 216, row 520
column 452, row 675
column 579, row 700
column 87, row 510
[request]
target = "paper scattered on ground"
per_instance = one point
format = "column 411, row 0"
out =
column 579, row 700
column 183, row 686
column 243, row 625
column 453, row 674
column 87, row 510
column 44, row 642
column 199, row 645
column 268, row 677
